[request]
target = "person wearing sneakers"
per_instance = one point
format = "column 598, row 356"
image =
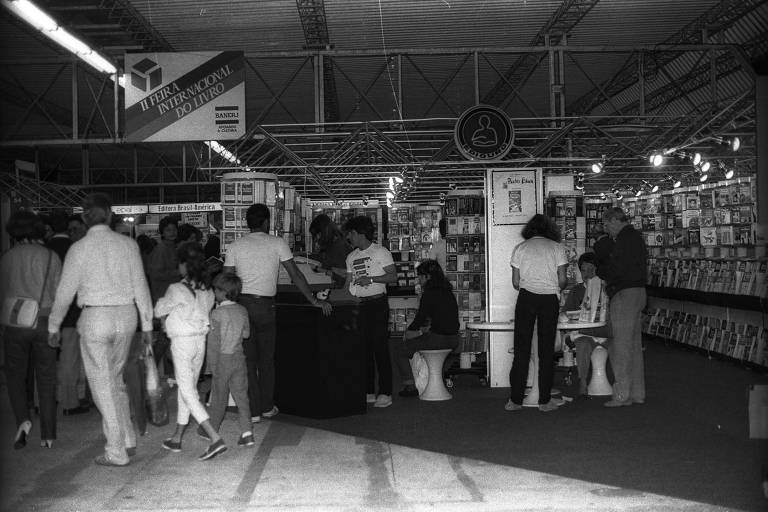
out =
column 256, row 258
column 186, row 306
column 539, row 274
column 436, row 325
column 624, row 273
column 229, row 327
column 369, row 268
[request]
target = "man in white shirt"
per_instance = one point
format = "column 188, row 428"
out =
column 256, row 259
column 104, row 270
column 369, row 268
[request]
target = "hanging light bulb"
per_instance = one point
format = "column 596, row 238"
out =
column 656, row 159
column 696, row 158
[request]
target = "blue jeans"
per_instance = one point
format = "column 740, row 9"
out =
column 626, row 351
column 259, row 351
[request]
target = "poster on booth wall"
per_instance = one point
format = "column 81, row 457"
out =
column 514, row 197
column 184, row 96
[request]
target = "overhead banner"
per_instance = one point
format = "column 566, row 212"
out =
column 184, row 96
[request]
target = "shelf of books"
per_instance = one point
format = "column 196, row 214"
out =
column 706, row 285
column 464, row 212
column 341, row 212
column 594, row 210
column 710, row 220
column 240, row 190
column 567, row 210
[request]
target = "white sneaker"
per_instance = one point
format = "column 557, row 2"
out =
column 271, row 413
column 370, row 398
column 383, row 401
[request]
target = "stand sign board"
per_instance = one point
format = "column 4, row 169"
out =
column 184, row 96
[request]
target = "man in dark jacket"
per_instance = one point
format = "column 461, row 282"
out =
column 624, row 272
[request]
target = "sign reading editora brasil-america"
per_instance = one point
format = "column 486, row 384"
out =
column 184, row 96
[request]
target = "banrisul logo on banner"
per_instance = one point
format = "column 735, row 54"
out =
column 184, row 96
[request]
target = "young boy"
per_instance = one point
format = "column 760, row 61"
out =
column 229, row 326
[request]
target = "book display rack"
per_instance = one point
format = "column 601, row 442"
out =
column 240, row 190
column 567, row 210
column 465, row 262
column 706, row 286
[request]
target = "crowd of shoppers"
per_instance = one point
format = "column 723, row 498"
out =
column 97, row 288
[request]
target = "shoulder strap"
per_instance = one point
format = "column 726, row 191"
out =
column 45, row 279
column 189, row 287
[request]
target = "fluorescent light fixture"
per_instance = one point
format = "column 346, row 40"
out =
column 222, row 151
column 41, row 21
column 32, row 14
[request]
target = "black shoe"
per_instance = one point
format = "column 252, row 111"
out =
column 76, row 410
column 213, row 450
column 20, row 441
column 409, row 391
column 170, row 445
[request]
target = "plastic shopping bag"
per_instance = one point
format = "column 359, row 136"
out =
column 157, row 405
column 420, row 371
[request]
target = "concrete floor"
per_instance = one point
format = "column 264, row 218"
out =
column 291, row 468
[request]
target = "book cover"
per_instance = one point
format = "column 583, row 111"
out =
column 746, row 192
column 708, row 236
column 721, row 197
column 691, row 218
column 705, row 199
column 451, row 244
column 229, row 192
column 451, row 262
column 246, row 192
column 451, row 206
column 692, row 201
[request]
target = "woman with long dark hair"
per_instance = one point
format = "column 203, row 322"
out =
column 31, row 270
column 436, row 325
column 331, row 248
column 538, row 273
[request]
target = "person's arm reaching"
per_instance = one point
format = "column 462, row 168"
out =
column 301, row 283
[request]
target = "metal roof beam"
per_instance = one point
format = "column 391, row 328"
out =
column 315, row 25
column 716, row 19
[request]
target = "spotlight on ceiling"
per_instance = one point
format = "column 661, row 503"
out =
column 365, row 200
column 703, row 177
column 390, row 195
column 705, row 167
column 617, row 193
column 650, row 187
column 729, row 173
column 597, row 167
column 636, row 193
column 696, row 158
column 391, row 183
column 603, row 196
column 398, row 179
column 656, row 159
column 677, row 183
column 733, row 143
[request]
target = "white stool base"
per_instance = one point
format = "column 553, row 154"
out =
column 598, row 384
column 435, row 389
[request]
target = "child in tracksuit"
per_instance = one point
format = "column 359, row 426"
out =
column 187, row 305
column 229, row 326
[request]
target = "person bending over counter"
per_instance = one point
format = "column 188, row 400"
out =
column 331, row 248
column 436, row 325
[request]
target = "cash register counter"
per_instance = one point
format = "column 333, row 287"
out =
column 319, row 361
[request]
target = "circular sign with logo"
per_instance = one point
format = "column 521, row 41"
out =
column 484, row 133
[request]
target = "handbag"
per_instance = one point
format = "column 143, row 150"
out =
column 23, row 311
column 156, row 404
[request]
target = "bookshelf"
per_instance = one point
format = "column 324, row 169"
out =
column 706, row 283
column 464, row 212
column 567, row 209
column 240, row 190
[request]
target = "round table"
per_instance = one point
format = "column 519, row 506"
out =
column 532, row 399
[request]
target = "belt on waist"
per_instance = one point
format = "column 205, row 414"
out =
column 105, row 305
column 372, row 297
column 254, row 296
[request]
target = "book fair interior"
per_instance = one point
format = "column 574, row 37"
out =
column 382, row 255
